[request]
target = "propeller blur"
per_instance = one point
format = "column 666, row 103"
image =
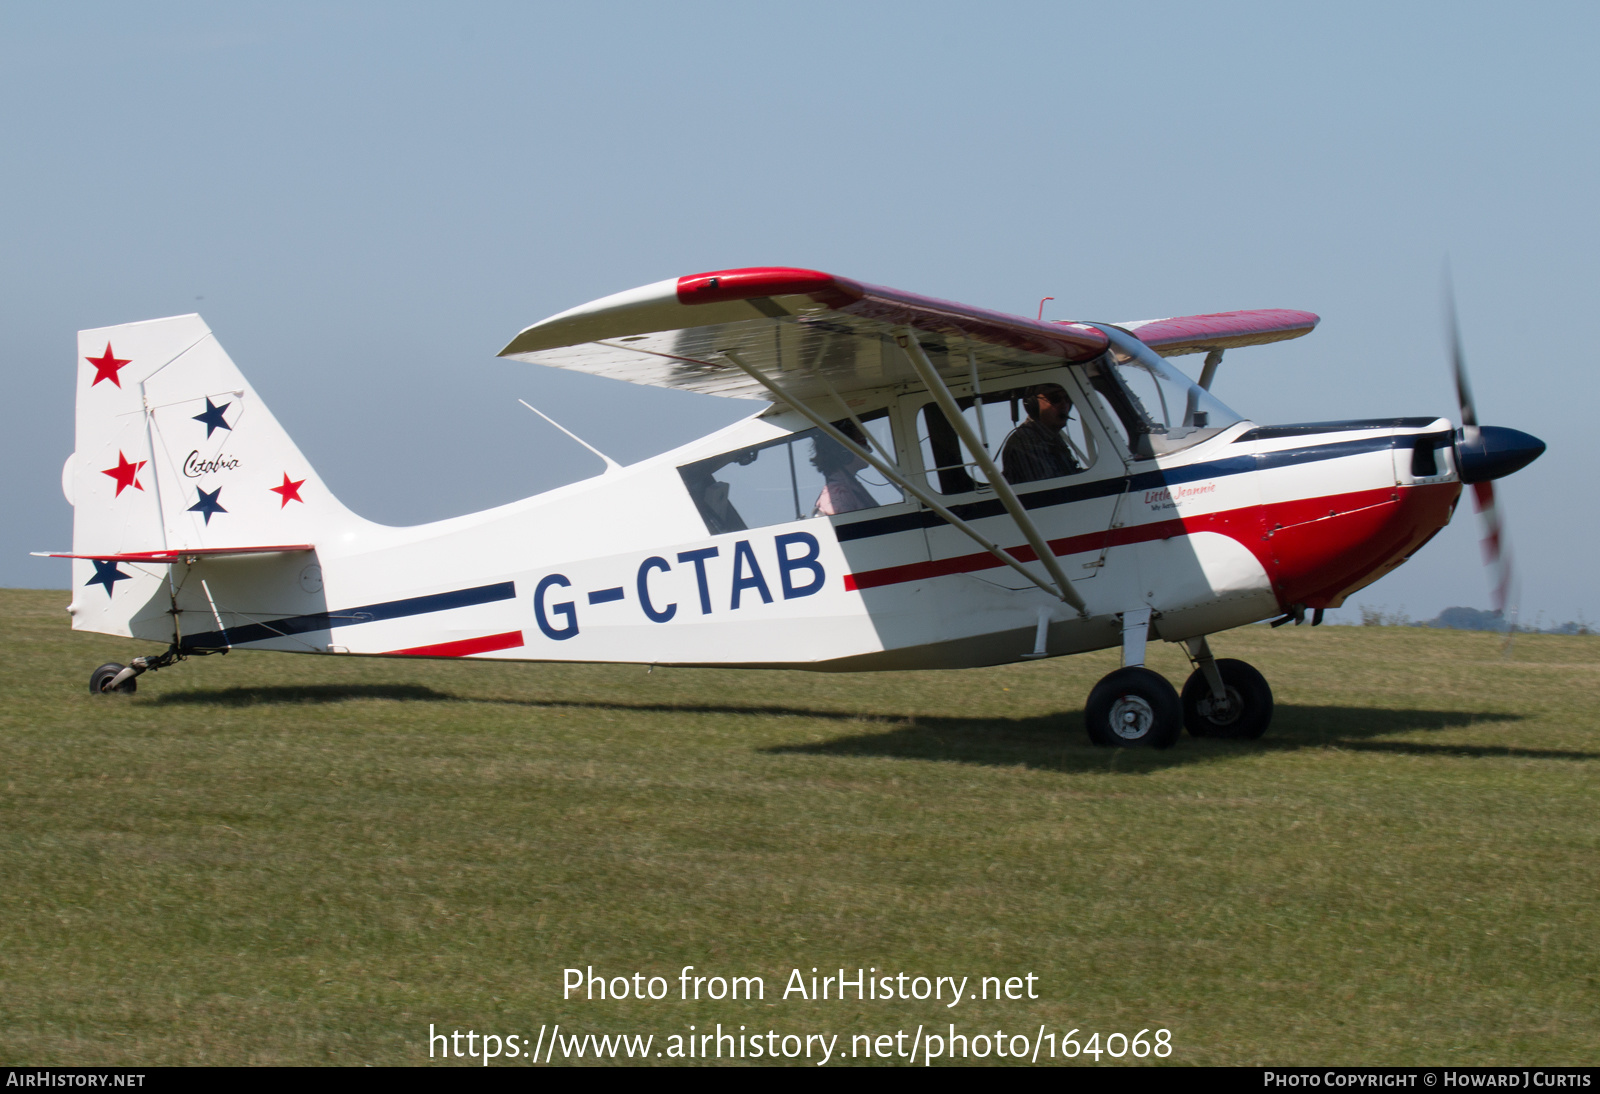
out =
column 1483, row 454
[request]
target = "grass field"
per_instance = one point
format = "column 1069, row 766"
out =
column 273, row 859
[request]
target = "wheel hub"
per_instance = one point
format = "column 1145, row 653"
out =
column 1224, row 712
column 1131, row 717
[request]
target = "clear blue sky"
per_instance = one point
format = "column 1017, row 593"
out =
column 365, row 201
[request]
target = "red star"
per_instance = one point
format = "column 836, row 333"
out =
column 106, row 366
column 289, row 491
column 126, row 473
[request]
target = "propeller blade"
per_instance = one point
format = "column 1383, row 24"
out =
column 1496, row 550
column 1458, row 358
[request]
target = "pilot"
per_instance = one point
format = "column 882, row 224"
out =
column 842, row 492
column 1036, row 449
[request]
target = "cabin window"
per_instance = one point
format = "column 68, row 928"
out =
column 1159, row 408
column 994, row 417
column 792, row 478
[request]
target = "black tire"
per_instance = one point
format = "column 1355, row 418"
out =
column 1249, row 702
column 100, row 677
column 1134, row 708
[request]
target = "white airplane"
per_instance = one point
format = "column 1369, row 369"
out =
column 901, row 499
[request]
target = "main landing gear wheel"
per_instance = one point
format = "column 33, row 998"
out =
column 1247, row 712
column 1134, row 708
column 100, row 679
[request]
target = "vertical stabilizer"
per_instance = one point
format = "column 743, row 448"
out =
column 175, row 451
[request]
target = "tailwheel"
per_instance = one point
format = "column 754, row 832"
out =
column 100, row 681
column 1134, row 708
column 112, row 677
column 1243, row 714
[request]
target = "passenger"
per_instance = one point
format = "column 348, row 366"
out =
column 1036, row 449
column 842, row 492
column 711, row 498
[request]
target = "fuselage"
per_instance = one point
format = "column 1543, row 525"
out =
column 925, row 485
column 1247, row 524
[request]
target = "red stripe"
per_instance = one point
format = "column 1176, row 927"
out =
column 510, row 640
column 1326, row 528
column 1070, row 545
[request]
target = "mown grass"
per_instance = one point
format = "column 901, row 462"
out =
column 273, row 859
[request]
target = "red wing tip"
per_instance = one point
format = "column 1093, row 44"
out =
column 1238, row 327
column 751, row 282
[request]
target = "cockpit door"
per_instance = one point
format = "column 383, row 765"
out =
column 1073, row 501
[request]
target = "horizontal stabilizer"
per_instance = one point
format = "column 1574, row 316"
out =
column 180, row 554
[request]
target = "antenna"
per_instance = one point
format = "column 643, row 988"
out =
column 1041, row 308
column 611, row 464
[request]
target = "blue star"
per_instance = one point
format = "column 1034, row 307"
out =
column 207, row 504
column 213, row 418
column 107, row 574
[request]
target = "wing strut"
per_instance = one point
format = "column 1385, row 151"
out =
column 980, row 454
column 891, row 473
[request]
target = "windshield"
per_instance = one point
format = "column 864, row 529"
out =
column 1159, row 408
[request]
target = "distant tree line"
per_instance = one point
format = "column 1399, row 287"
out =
column 1470, row 619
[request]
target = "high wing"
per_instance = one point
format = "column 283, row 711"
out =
column 814, row 333
column 1221, row 330
column 809, row 331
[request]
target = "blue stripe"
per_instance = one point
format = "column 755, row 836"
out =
column 1146, row 480
column 1307, row 429
column 605, row 596
column 367, row 613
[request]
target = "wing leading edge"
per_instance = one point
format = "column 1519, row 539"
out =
column 810, row 331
